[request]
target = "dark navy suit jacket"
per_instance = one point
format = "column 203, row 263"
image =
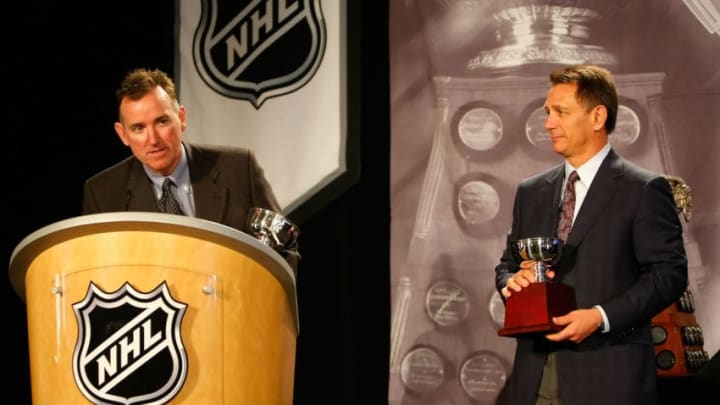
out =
column 625, row 252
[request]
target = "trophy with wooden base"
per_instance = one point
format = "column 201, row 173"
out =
column 531, row 310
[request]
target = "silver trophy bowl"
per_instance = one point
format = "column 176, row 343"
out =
column 543, row 249
column 272, row 229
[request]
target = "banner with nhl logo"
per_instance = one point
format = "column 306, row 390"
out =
column 270, row 76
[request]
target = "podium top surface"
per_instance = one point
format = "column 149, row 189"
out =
column 223, row 235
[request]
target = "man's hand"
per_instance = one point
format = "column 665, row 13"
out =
column 578, row 325
column 523, row 278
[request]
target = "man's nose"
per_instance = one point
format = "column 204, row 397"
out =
column 550, row 122
column 152, row 134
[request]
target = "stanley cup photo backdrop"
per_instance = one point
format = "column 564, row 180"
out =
column 468, row 80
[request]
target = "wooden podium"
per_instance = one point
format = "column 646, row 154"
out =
column 143, row 308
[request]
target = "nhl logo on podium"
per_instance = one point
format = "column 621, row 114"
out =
column 129, row 348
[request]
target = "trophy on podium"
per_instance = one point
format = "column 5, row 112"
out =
column 272, row 229
column 531, row 310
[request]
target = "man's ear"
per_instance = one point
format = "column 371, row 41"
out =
column 599, row 116
column 120, row 131
column 182, row 114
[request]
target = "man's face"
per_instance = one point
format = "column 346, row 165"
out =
column 570, row 126
column 153, row 130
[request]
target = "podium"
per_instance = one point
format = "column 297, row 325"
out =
column 150, row 308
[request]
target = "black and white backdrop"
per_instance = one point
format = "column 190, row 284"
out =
column 467, row 83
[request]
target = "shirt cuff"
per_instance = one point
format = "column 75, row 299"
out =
column 605, row 327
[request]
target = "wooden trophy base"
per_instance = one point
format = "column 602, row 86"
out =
column 531, row 310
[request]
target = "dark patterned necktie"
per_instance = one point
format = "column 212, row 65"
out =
column 568, row 207
column 167, row 202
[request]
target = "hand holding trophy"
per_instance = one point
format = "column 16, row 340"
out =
column 531, row 310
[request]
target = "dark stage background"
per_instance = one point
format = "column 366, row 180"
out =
column 62, row 62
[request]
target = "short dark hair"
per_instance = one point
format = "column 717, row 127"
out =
column 595, row 86
column 142, row 81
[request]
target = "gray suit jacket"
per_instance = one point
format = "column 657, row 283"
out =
column 226, row 183
column 625, row 252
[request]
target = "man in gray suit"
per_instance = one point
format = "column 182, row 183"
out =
column 219, row 184
column 624, row 257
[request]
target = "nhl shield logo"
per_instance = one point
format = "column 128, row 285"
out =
column 129, row 349
column 254, row 50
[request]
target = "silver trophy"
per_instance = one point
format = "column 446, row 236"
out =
column 272, row 229
column 534, row 35
column 542, row 249
column 532, row 309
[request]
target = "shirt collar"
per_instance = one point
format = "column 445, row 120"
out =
column 180, row 176
column 590, row 168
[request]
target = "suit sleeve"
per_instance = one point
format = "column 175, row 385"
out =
column 508, row 263
column 262, row 192
column 264, row 197
column 660, row 254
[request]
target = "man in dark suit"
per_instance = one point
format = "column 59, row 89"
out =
column 219, row 184
column 624, row 257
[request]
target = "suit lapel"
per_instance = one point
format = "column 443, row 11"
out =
column 601, row 191
column 210, row 197
column 549, row 193
column 140, row 190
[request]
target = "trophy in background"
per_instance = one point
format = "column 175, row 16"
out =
column 536, row 36
column 272, row 229
column 531, row 310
